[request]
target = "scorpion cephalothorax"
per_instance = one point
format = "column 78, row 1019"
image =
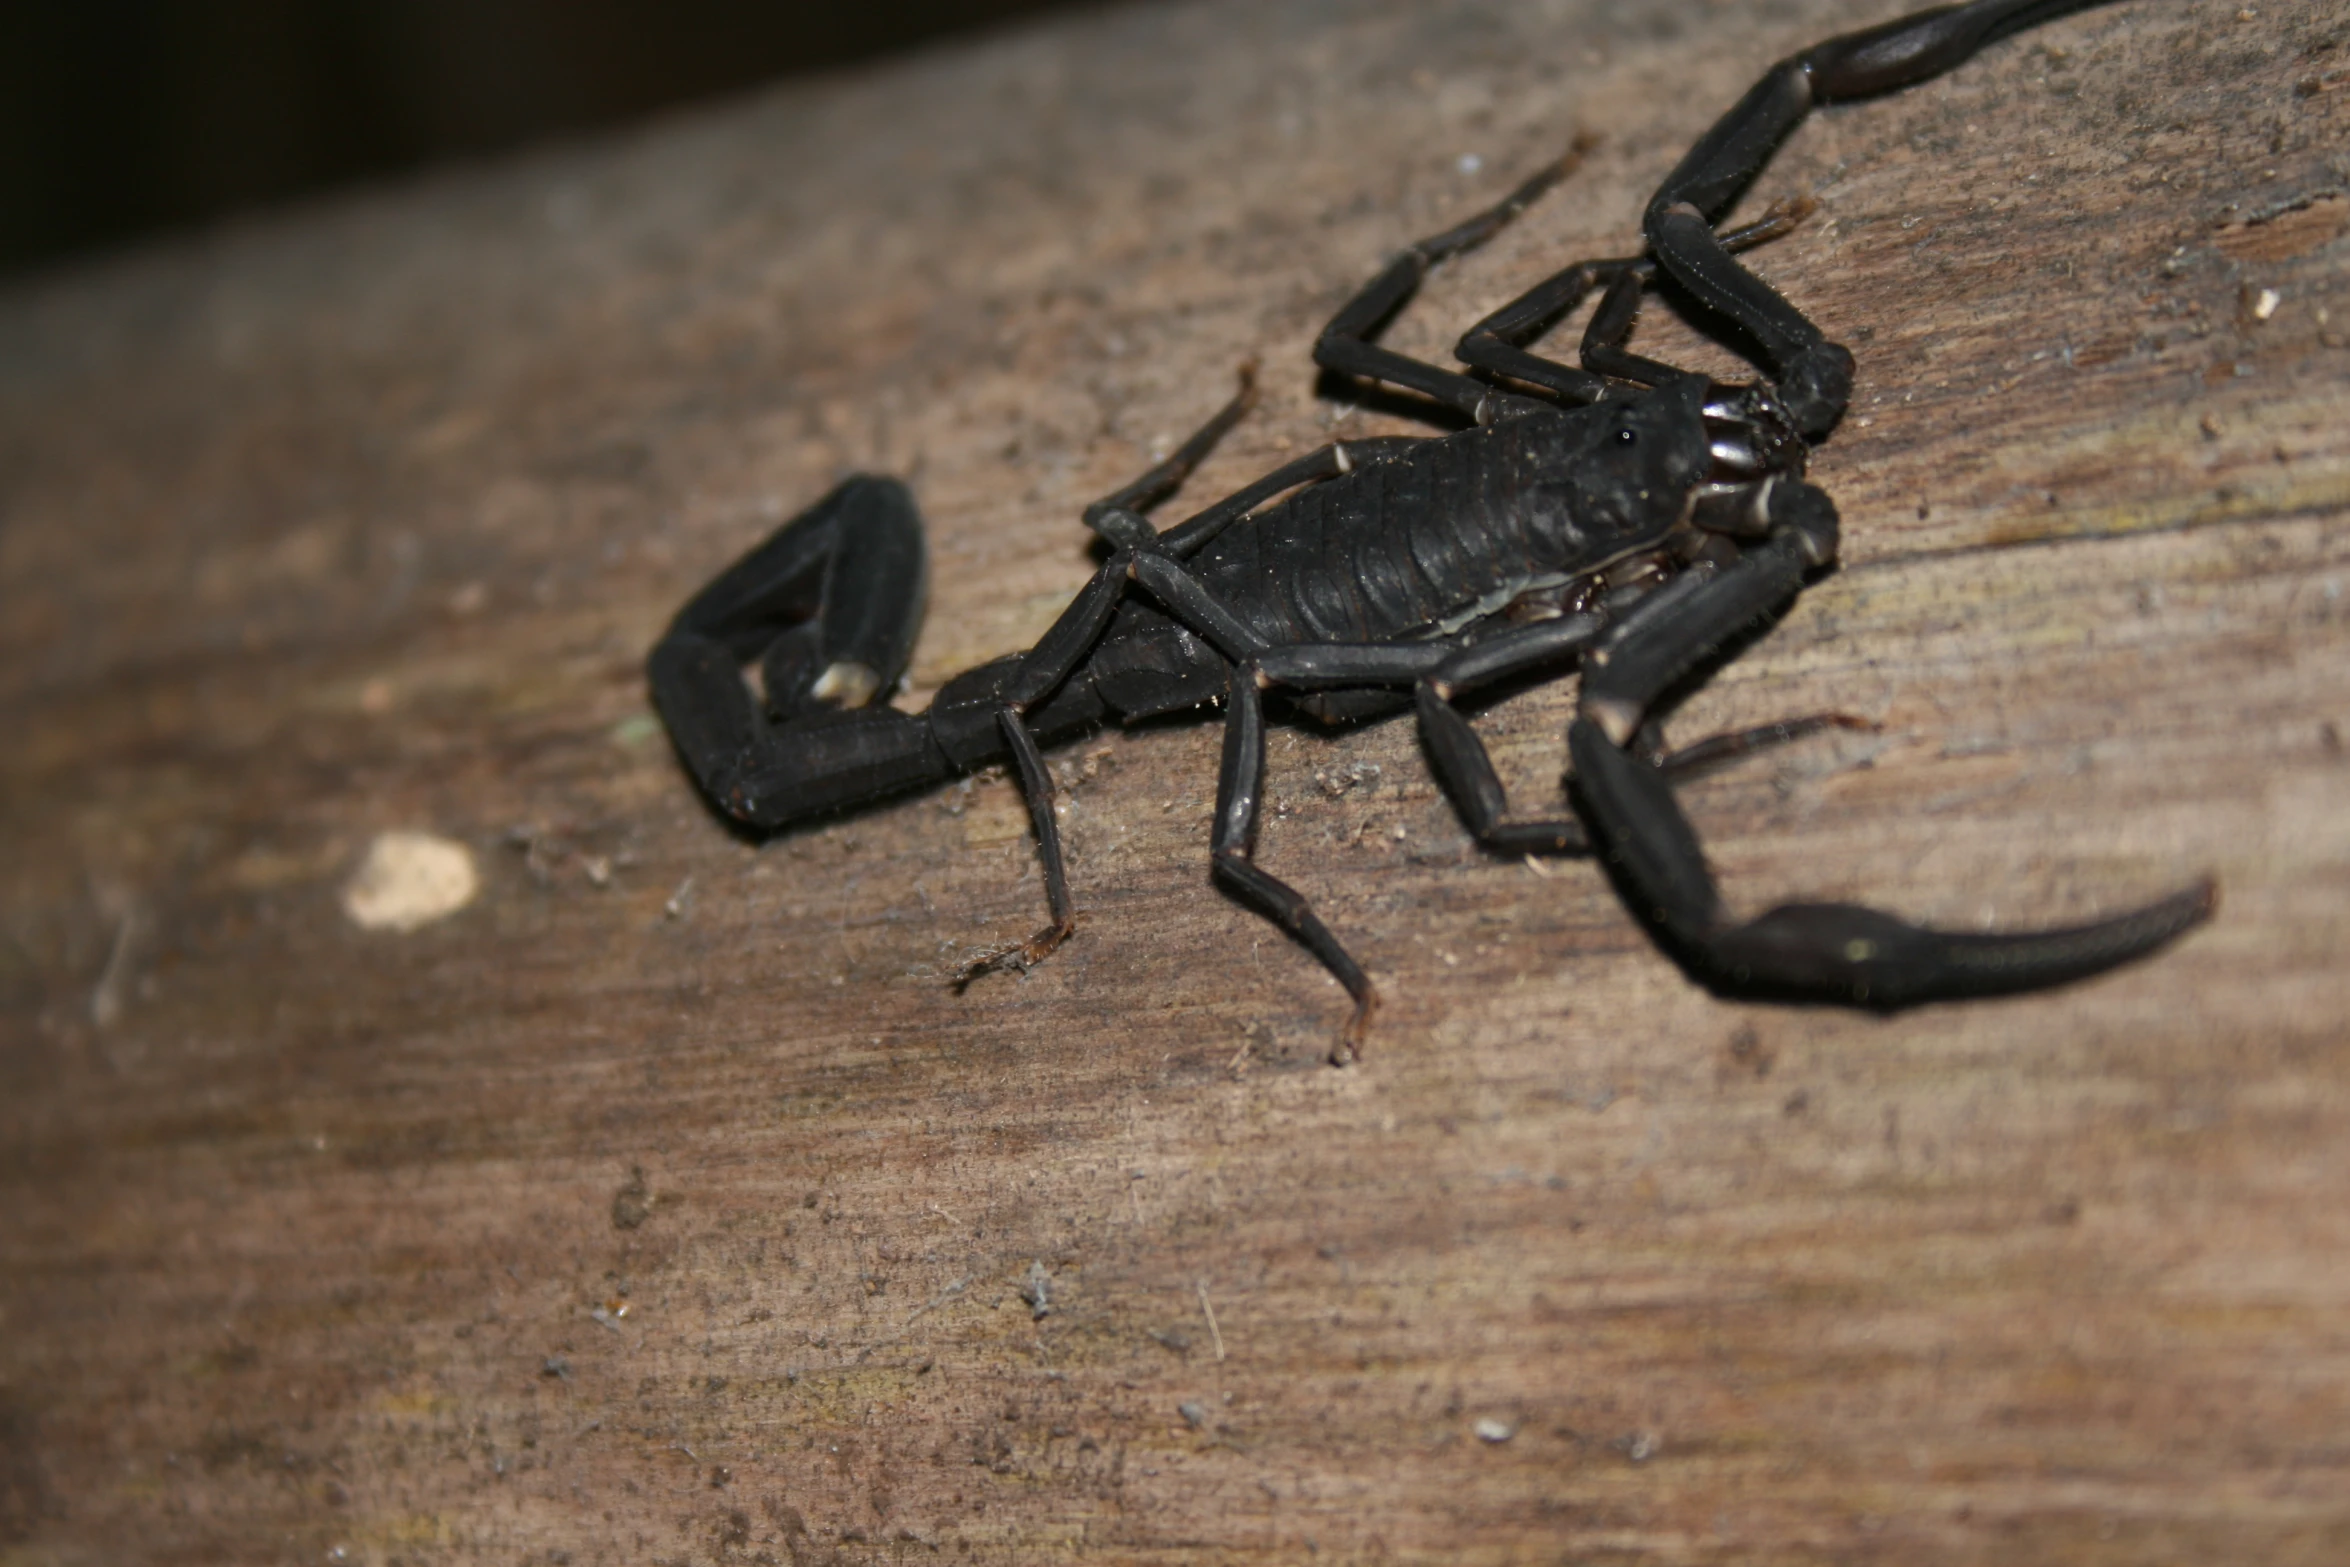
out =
column 1619, row 516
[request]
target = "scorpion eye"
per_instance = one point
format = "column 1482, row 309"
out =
column 1627, row 437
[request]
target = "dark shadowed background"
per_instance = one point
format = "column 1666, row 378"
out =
column 126, row 118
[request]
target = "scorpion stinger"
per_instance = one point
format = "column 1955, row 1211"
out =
column 1618, row 516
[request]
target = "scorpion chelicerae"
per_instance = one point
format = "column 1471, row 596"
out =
column 1623, row 517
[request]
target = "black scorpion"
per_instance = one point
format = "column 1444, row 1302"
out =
column 1624, row 517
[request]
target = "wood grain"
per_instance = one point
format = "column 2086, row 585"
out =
column 664, row 1205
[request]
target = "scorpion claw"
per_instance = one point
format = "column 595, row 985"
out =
column 1871, row 959
column 1815, row 385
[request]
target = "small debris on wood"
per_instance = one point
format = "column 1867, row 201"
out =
column 1340, row 781
column 408, row 880
column 1215, row 1334
column 633, row 1203
column 106, row 997
column 1036, row 1289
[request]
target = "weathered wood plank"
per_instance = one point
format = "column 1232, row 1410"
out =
column 362, row 520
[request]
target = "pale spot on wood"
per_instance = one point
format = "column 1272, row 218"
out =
column 408, row 880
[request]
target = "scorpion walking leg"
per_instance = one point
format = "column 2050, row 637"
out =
column 1468, row 777
column 1036, row 787
column 1439, row 674
column 1833, row 951
column 1462, row 764
column 1141, row 557
column 1025, row 683
column 1814, row 375
column 1239, row 786
column 1610, row 327
column 1701, row 756
column 1437, row 671
column 1036, row 676
column 1346, row 345
column 1042, row 671
column 1466, row 770
column 1168, row 475
column 1497, row 343
column 1193, row 534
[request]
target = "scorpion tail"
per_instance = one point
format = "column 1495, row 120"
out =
column 766, row 773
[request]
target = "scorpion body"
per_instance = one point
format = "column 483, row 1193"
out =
column 1620, row 517
column 1489, row 526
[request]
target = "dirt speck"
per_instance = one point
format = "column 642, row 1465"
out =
column 407, row 880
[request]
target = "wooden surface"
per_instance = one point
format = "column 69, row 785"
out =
column 664, row 1205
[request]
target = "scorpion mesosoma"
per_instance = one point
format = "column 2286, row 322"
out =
column 1623, row 517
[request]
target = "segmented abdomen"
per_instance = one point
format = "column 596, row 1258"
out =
column 1388, row 549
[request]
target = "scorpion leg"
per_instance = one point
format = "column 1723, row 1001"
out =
column 830, row 604
column 1497, row 343
column 1439, row 674
column 1714, row 751
column 1232, row 851
column 1830, row 951
column 1036, row 787
column 1041, row 673
column 1167, row 476
column 1043, row 670
column 1190, row 536
column 1117, row 517
column 1034, row 677
column 1466, row 770
column 1463, row 766
column 1240, row 778
column 1814, row 375
column 1339, row 666
column 1346, row 345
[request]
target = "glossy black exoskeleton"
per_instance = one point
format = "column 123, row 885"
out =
column 1621, row 517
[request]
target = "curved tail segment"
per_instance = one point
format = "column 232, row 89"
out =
column 827, row 607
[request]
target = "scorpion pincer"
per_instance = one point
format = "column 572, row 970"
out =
column 1617, row 516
